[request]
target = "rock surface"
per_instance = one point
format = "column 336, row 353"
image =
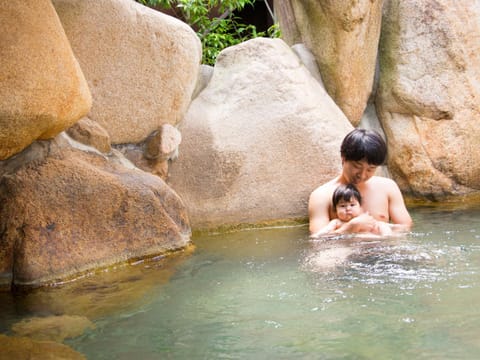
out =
column 42, row 88
column 141, row 65
column 257, row 140
column 343, row 36
column 153, row 154
column 90, row 133
column 428, row 96
column 64, row 211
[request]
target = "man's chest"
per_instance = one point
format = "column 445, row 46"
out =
column 376, row 203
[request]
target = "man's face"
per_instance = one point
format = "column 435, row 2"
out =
column 347, row 210
column 357, row 172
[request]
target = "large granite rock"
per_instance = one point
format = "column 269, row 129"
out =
column 42, row 88
column 343, row 35
column 428, row 96
column 141, row 65
column 257, row 140
column 64, row 211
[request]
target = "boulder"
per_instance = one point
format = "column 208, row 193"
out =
column 163, row 144
column 90, row 133
column 141, row 65
column 428, row 96
column 64, row 211
column 343, row 36
column 42, row 88
column 153, row 154
column 257, row 140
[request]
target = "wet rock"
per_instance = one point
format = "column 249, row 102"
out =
column 25, row 348
column 120, row 288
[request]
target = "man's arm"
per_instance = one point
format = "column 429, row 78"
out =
column 318, row 213
column 398, row 212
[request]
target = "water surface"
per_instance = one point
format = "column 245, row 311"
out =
column 273, row 293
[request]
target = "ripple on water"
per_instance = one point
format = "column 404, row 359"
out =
column 275, row 294
column 419, row 258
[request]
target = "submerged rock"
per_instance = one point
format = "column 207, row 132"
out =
column 25, row 348
column 120, row 288
column 52, row 328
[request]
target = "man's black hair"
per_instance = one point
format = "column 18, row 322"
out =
column 346, row 193
column 365, row 144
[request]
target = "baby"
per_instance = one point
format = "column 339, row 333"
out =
column 347, row 203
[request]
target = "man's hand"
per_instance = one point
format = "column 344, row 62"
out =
column 360, row 224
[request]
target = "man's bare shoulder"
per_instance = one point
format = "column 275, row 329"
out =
column 325, row 190
column 382, row 185
column 383, row 182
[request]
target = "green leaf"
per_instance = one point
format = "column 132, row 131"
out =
column 214, row 22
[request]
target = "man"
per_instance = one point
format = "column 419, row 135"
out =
column 362, row 151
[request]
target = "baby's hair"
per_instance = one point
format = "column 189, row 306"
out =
column 346, row 192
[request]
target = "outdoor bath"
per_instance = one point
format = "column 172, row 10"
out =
column 122, row 132
column 259, row 294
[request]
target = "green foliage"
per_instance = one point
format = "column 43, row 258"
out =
column 214, row 22
column 274, row 31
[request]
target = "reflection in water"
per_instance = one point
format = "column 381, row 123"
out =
column 110, row 291
column 273, row 293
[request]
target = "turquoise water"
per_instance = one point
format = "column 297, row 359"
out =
column 273, row 293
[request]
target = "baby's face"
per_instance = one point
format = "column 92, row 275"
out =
column 347, row 210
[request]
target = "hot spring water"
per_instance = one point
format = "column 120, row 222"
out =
column 274, row 294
